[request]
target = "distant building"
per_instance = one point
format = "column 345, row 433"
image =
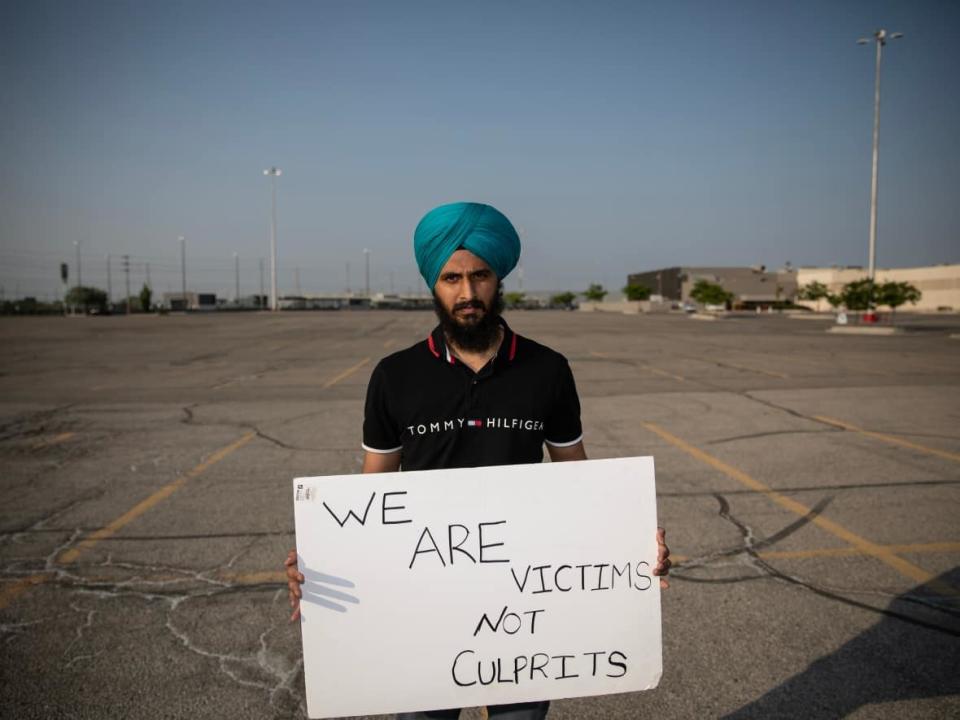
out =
column 939, row 284
column 178, row 302
column 751, row 286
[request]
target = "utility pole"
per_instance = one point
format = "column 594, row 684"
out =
column 273, row 173
column 126, row 271
column 880, row 37
column 183, row 271
column 109, row 284
column 348, row 277
column 236, row 278
column 149, row 284
column 296, row 280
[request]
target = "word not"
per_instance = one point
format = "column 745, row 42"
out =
column 586, row 577
column 509, row 620
column 555, row 667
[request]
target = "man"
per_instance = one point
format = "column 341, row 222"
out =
column 473, row 393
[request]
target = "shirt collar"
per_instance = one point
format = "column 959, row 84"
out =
column 437, row 344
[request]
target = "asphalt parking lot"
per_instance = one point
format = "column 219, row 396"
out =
column 809, row 485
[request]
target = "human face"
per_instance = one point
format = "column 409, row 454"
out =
column 467, row 288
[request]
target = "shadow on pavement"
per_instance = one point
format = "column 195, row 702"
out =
column 912, row 652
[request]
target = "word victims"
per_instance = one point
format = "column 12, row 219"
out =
column 460, row 543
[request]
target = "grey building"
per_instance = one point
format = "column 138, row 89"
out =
column 751, row 286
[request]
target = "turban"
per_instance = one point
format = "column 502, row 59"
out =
column 481, row 229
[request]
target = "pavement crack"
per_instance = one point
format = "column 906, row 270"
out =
column 748, row 554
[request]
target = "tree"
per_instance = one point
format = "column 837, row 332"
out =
column 146, row 294
column 595, row 292
column 709, row 293
column 564, row 299
column 813, row 292
column 895, row 294
column 513, row 299
column 860, row 294
column 835, row 300
column 637, row 292
column 86, row 298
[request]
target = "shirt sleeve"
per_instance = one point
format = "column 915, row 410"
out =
column 562, row 427
column 380, row 433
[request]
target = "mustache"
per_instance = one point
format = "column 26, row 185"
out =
column 476, row 304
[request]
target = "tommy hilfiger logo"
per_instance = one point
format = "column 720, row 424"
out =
column 490, row 422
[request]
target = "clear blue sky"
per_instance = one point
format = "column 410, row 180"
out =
column 619, row 136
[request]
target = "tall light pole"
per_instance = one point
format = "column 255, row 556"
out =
column 183, row 271
column 109, row 284
column 273, row 173
column 366, row 257
column 236, row 273
column 76, row 244
column 262, row 300
column 880, row 37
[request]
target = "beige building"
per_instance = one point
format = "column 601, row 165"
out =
column 939, row 284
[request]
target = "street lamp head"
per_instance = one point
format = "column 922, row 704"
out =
column 275, row 171
column 896, row 36
column 862, row 41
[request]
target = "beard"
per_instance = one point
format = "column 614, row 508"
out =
column 472, row 333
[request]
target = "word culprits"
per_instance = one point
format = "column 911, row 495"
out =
column 467, row 671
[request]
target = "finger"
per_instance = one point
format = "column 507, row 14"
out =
column 664, row 584
column 661, row 535
column 296, row 614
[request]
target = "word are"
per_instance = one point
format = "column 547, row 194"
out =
column 586, row 577
column 427, row 545
column 467, row 670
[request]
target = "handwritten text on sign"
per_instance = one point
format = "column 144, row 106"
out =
column 457, row 588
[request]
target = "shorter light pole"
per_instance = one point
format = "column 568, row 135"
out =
column 236, row 273
column 366, row 257
column 76, row 244
column 183, row 271
column 273, row 173
column 109, row 284
column 126, row 270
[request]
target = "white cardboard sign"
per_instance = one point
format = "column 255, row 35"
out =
column 457, row 588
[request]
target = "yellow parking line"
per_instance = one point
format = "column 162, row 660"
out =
column 866, row 547
column 345, row 374
column 55, row 440
column 656, row 371
column 9, row 593
column 915, row 548
column 782, row 376
column 664, row 373
column 144, row 505
column 12, row 591
column 889, row 438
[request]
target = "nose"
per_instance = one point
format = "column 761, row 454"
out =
column 468, row 290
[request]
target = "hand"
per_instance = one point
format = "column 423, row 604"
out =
column 295, row 579
column 663, row 559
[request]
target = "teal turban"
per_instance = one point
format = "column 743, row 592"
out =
column 481, row 229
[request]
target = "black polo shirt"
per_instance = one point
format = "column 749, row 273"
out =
column 439, row 413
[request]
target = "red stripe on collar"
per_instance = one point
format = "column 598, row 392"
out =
column 513, row 346
column 433, row 348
